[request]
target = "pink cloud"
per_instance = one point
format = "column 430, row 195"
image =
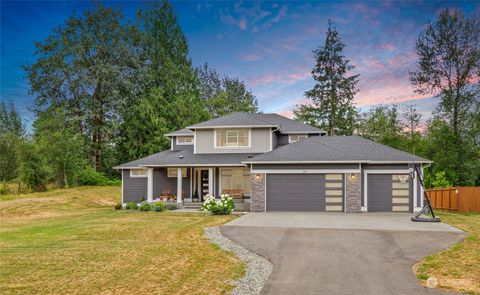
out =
column 281, row 77
column 288, row 114
column 387, row 46
column 242, row 24
column 251, row 57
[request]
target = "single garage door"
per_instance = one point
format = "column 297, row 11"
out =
column 389, row 193
column 305, row 192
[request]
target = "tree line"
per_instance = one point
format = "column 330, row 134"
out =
column 448, row 67
column 106, row 91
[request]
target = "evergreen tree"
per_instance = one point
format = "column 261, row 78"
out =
column 224, row 95
column 331, row 99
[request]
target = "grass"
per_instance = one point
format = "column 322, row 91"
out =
column 72, row 241
column 457, row 268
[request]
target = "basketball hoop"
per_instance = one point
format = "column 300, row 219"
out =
column 403, row 178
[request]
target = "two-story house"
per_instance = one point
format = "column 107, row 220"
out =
column 271, row 163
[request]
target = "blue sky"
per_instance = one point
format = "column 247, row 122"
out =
column 266, row 44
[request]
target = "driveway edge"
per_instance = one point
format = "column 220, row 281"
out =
column 258, row 268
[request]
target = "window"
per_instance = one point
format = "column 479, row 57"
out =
column 138, row 173
column 184, row 140
column 236, row 179
column 172, row 172
column 232, row 138
column 296, row 137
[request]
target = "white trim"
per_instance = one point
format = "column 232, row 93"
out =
column 171, row 144
column 179, row 185
column 305, row 132
column 139, row 176
column 291, row 141
column 232, row 126
column 192, row 165
column 422, row 191
column 232, row 147
column 122, row 185
column 365, row 182
column 339, row 161
column 271, row 139
column 210, row 181
column 150, row 185
column 178, row 134
column 304, row 171
column 194, row 143
column 183, row 143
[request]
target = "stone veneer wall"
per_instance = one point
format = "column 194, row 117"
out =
column 353, row 193
column 257, row 193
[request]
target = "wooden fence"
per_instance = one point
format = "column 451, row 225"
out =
column 460, row 199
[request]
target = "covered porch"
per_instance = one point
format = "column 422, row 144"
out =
column 190, row 185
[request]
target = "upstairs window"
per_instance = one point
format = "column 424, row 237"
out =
column 296, row 137
column 182, row 140
column 232, row 138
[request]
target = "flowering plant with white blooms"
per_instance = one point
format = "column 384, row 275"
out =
column 218, row 207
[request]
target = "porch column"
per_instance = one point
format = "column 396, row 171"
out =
column 179, row 186
column 150, row 185
column 210, row 181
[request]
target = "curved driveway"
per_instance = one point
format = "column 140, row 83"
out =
column 327, row 257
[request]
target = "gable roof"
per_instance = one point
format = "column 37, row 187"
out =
column 241, row 119
column 181, row 132
column 335, row 149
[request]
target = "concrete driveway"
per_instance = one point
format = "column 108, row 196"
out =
column 324, row 253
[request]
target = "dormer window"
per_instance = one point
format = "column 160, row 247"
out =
column 232, row 138
column 184, row 140
column 296, row 137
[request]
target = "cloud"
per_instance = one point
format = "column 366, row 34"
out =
column 245, row 15
column 281, row 77
column 251, row 57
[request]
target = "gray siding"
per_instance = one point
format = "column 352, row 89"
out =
column 283, row 138
column 180, row 147
column 303, row 166
column 274, row 139
column 134, row 188
column 260, row 142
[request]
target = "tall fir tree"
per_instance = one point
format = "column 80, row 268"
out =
column 412, row 123
column 331, row 99
column 171, row 98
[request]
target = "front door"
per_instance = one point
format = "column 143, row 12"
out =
column 201, row 183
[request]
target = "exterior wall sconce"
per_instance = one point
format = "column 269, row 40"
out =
column 257, row 177
column 353, row 176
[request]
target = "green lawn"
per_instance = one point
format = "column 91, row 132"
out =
column 458, row 268
column 72, row 241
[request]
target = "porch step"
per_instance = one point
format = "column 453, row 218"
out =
column 192, row 205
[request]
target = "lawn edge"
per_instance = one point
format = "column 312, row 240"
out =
column 258, row 268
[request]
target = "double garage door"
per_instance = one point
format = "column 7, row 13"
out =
column 305, row 192
column 326, row 192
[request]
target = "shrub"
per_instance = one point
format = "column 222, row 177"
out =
column 170, row 207
column 118, row 206
column 158, row 207
column 145, row 206
column 131, row 206
column 89, row 176
column 224, row 206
